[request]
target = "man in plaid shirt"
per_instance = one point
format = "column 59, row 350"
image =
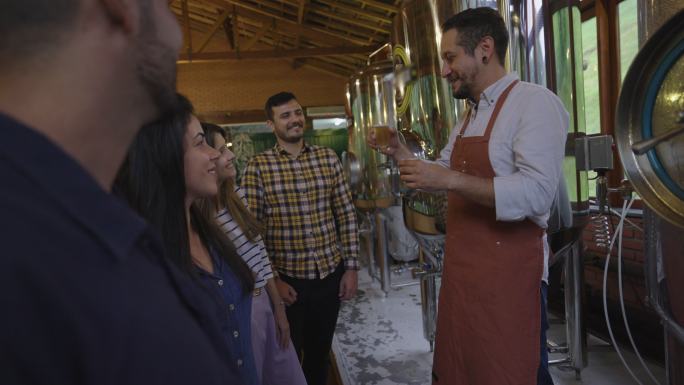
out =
column 298, row 191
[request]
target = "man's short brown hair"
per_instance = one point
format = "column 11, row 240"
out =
column 474, row 24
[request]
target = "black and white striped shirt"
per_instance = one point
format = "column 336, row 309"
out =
column 252, row 252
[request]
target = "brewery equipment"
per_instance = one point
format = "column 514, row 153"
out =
column 649, row 120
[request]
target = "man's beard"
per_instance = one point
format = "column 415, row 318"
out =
column 463, row 92
column 290, row 139
column 156, row 65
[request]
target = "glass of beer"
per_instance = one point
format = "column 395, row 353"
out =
column 382, row 135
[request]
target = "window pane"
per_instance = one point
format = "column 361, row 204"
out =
column 629, row 34
column 629, row 38
column 592, row 110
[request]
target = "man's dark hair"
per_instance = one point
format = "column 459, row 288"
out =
column 32, row 26
column 277, row 100
column 474, row 24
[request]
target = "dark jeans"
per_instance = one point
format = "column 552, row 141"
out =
column 543, row 375
column 312, row 322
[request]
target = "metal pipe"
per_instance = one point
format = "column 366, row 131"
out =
column 652, row 258
column 574, row 309
column 377, row 51
column 382, row 255
column 645, row 146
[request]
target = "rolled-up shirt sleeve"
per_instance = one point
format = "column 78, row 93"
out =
column 538, row 149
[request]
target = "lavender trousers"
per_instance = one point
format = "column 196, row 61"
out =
column 275, row 366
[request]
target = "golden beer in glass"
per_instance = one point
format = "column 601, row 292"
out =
column 382, row 135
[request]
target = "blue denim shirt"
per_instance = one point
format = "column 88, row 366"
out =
column 234, row 311
column 86, row 294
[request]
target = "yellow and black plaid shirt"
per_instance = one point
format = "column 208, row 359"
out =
column 307, row 208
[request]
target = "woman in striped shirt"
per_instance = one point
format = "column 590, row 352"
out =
column 275, row 357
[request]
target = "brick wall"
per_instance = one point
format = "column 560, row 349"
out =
column 246, row 84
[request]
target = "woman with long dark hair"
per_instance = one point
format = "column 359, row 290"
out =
column 275, row 357
column 168, row 168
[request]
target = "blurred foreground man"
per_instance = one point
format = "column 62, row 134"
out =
column 501, row 169
column 85, row 293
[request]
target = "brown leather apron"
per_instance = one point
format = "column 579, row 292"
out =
column 488, row 321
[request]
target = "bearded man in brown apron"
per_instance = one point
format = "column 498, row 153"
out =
column 501, row 169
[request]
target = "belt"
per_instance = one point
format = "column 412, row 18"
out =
column 257, row 292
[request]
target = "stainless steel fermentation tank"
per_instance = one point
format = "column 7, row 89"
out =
column 649, row 133
column 424, row 112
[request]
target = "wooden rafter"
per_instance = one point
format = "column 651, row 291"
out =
column 301, row 11
column 285, row 24
column 186, row 22
column 257, row 36
column 215, row 27
column 349, row 20
column 235, row 31
column 325, row 67
column 279, row 53
column 332, row 36
column 380, row 5
column 340, row 64
column 373, row 16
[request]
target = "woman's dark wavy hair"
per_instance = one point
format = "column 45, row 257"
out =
column 152, row 182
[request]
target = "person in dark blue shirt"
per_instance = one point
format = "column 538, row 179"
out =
column 169, row 168
column 86, row 295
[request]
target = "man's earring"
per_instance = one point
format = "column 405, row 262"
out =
column 484, row 59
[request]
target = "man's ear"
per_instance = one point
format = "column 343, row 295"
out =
column 124, row 13
column 270, row 124
column 487, row 47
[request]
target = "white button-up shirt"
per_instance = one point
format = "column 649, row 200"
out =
column 526, row 150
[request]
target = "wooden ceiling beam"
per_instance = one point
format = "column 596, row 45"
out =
column 255, row 39
column 326, row 68
column 261, row 8
column 349, row 67
column 379, row 5
column 339, row 66
column 301, row 11
column 337, row 16
column 197, row 16
column 215, row 27
column 285, row 25
column 381, row 18
column 278, row 53
column 348, row 61
column 342, row 30
column 235, row 30
column 186, row 24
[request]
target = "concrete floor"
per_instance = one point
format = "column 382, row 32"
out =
column 379, row 341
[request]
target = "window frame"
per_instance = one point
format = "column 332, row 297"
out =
column 607, row 17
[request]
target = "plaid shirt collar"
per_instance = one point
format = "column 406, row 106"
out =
column 279, row 150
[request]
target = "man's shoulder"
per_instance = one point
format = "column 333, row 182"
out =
column 533, row 91
column 268, row 155
column 533, row 98
column 533, row 88
column 324, row 152
column 322, row 149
